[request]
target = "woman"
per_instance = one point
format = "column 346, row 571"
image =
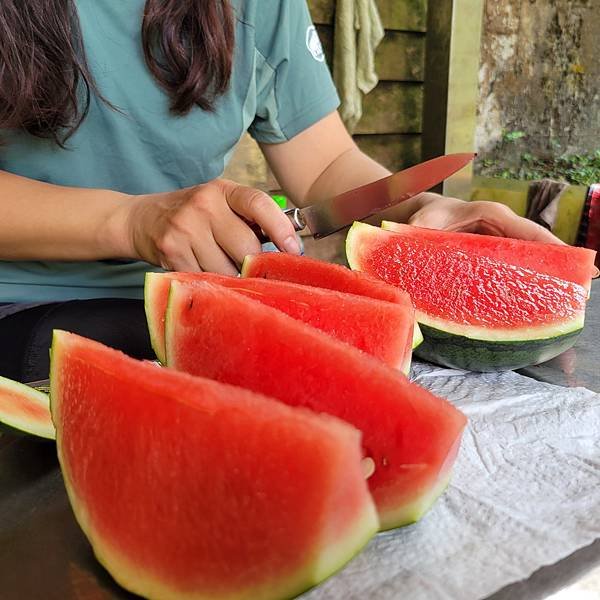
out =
column 117, row 119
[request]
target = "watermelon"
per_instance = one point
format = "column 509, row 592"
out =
column 383, row 329
column 475, row 311
column 189, row 488
column 562, row 261
column 411, row 436
column 317, row 273
column 24, row 410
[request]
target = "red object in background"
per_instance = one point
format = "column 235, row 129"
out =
column 589, row 230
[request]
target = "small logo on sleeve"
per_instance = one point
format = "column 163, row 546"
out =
column 313, row 43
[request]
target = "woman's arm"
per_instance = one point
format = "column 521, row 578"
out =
column 323, row 161
column 187, row 230
column 44, row 221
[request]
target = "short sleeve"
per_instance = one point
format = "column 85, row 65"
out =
column 294, row 87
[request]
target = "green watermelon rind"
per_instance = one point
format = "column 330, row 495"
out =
column 461, row 352
column 417, row 336
column 498, row 334
column 333, row 560
column 155, row 329
column 25, row 426
column 413, row 513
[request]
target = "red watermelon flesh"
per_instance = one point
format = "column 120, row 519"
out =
column 565, row 262
column 468, row 294
column 188, row 488
column 317, row 273
column 382, row 329
column 411, row 435
column 24, row 409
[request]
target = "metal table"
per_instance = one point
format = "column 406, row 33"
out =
column 44, row 555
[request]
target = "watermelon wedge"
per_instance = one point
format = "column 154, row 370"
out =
column 565, row 262
column 318, row 273
column 24, row 410
column 382, row 329
column 411, row 436
column 475, row 312
column 190, row 489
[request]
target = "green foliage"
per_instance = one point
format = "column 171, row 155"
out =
column 577, row 169
column 513, row 136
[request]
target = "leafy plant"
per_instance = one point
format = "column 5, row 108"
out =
column 513, row 136
column 577, row 169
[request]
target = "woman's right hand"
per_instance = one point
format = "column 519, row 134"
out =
column 204, row 228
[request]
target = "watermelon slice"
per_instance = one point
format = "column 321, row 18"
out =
column 411, row 436
column 318, row 273
column 188, row 488
column 24, row 410
column 383, row 329
column 475, row 312
column 565, row 262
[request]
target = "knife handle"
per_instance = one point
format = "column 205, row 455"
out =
column 293, row 214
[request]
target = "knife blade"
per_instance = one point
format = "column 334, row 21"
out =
column 327, row 217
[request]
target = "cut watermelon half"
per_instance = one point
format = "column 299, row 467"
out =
column 475, row 312
column 411, row 435
column 191, row 489
column 564, row 262
column 24, row 410
column 382, row 329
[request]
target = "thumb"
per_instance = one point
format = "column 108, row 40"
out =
column 431, row 217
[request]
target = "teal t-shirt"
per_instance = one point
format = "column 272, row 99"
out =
column 280, row 85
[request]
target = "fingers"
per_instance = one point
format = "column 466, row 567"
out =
column 489, row 218
column 175, row 254
column 497, row 219
column 211, row 257
column 445, row 213
column 258, row 207
column 524, row 229
column 185, row 240
column 235, row 238
column 430, row 218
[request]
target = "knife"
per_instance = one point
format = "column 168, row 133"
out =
column 331, row 215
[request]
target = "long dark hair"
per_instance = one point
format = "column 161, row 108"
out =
column 45, row 81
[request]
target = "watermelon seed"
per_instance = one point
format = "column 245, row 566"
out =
column 368, row 467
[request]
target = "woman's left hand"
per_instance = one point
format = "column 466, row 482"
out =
column 491, row 218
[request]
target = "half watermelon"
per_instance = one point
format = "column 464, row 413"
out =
column 188, row 488
column 24, row 410
column 382, row 329
column 475, row 312
column 411, row 436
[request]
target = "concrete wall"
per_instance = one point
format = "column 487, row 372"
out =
column 540, row 74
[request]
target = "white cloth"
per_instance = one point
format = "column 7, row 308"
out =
column 525, row 494
column 358, row 32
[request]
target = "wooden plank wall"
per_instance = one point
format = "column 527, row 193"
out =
column 391, row 128
column 392, row 123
